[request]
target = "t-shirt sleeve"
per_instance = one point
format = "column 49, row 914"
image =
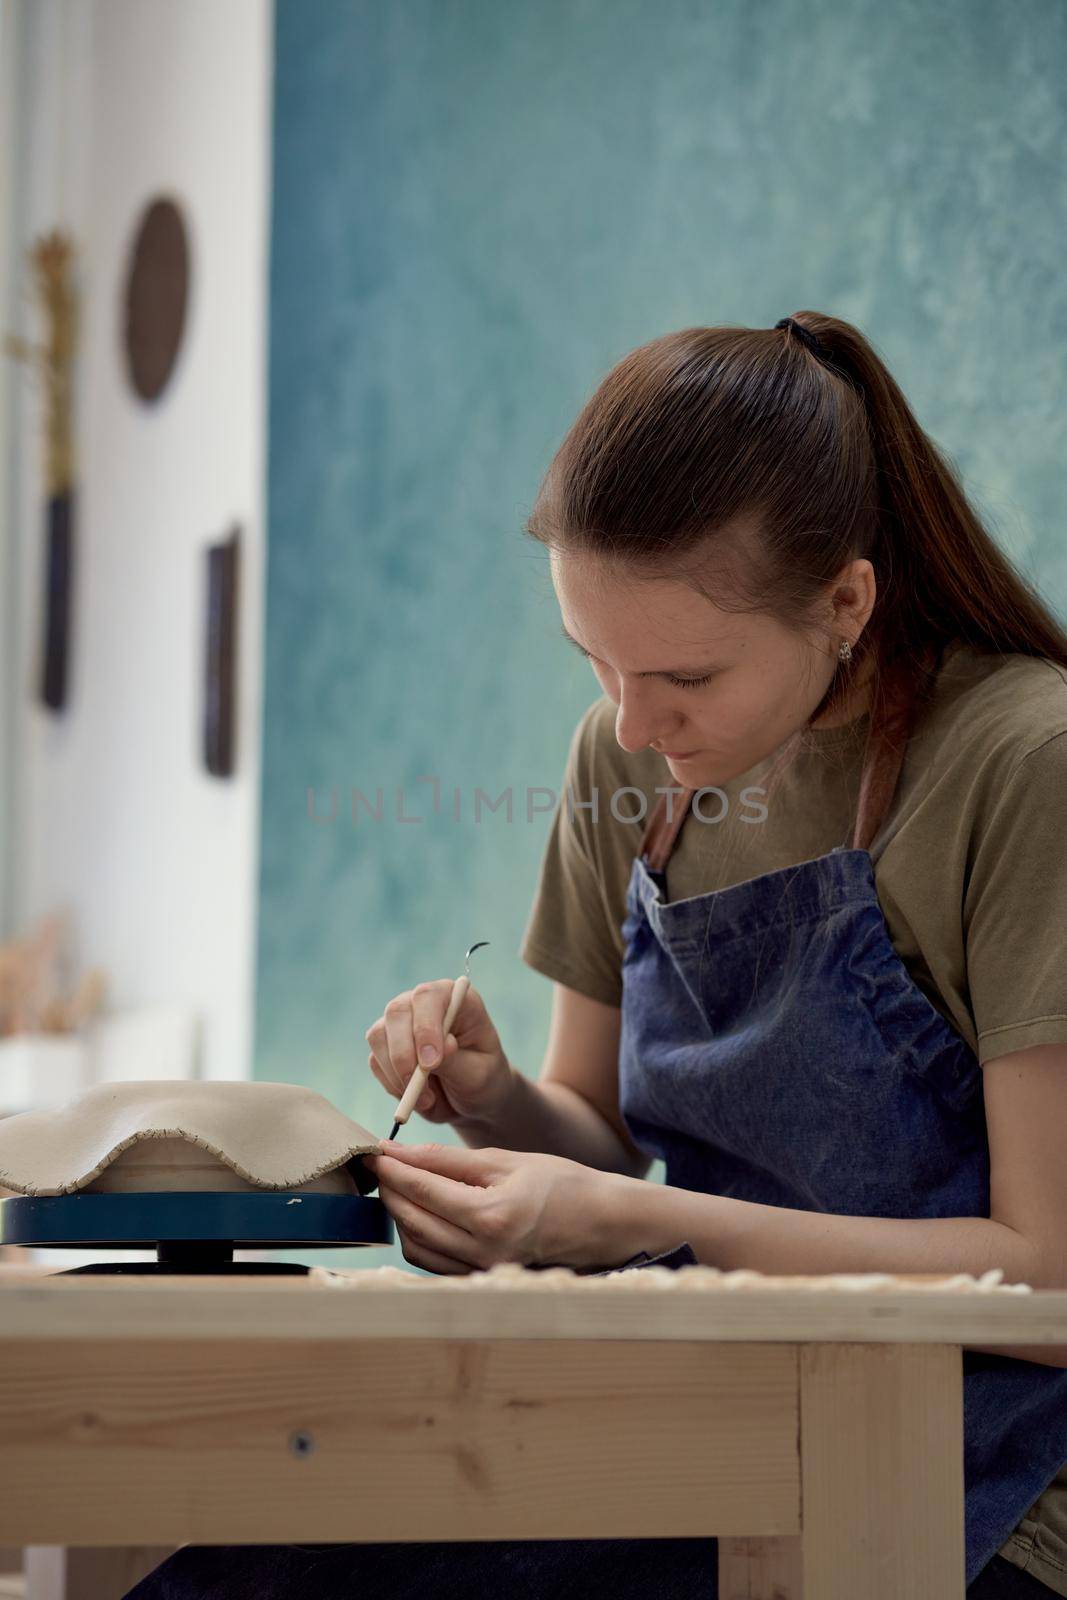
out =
column 571, row 934
column 1015, row 910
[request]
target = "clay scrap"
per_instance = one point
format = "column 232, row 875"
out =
column 511, row 1275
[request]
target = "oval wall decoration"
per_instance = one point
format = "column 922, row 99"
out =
column 157, row 296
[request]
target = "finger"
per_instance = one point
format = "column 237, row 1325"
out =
column 432, row 1260
column 399, row 1043
column 454, row 1202
column 386, row 1079
column 428, row 1099
column 429, row 1002
column 379, row 1047
column 432, row 1102
column 427, row 1103
column 428, row 1231
column 478, row 1166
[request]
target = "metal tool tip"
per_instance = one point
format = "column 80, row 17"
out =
column 467, row 962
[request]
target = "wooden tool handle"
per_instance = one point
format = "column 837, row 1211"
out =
column 417, row 1081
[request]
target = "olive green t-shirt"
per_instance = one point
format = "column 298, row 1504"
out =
column 970, row 869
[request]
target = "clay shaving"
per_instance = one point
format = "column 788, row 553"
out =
column 644, row 1280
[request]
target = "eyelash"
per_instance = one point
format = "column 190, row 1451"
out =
column 691, row 683
column 679, row 683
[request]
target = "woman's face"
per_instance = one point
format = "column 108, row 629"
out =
column 713, row 691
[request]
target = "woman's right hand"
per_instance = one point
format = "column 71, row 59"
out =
column 473, row 1074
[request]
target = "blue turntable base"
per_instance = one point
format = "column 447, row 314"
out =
column 196, row 1231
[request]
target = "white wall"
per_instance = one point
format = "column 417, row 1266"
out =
column 9, row 107
column 114, row 815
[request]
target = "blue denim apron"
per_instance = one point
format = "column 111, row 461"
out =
column 775, row 1049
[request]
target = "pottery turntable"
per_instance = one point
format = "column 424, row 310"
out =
column 193, row 1171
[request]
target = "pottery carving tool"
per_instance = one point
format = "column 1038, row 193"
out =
column 417, row 1082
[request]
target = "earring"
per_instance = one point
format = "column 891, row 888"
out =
column 844, row 652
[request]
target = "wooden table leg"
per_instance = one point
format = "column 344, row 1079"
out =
column 760, row 1569
column 54, row 1572
column 881, row 1457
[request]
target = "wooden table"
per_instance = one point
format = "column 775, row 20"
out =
column 817, row 1432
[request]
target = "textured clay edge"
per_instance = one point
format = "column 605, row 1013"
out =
column 7, row 1180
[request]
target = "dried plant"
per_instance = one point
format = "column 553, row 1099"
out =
column 34, row 997
column 52, row 263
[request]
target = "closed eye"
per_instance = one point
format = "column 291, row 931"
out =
column 671, row 677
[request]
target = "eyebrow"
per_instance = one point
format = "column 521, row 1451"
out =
column 661, row 672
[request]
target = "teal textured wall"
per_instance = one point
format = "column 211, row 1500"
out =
column 478, row 208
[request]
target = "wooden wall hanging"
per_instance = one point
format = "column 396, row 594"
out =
column 220, row 661
column 52, row 361
column 157, row 297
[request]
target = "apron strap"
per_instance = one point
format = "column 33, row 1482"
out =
column 659, row 837
column 878, row 784
column 882, row 763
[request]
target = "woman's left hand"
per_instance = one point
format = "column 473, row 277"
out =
column 460, row 1210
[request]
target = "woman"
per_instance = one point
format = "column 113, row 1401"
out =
column 800, row 905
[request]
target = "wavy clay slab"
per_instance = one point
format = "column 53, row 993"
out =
column 180, row 1135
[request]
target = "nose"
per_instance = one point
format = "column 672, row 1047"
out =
column 637, row 726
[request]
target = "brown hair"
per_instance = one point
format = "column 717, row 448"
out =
column 741, row 451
